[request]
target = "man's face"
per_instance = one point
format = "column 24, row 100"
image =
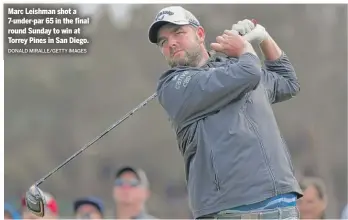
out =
column 88, row 211
column 128, row 189
column 311, row 206
column 181, row 45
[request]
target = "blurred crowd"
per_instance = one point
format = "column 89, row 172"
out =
column 131, row 191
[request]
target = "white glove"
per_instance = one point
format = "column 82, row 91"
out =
column 252, row 33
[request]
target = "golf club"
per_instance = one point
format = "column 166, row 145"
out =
column 34, row 196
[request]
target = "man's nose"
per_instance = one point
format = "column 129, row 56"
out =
column 172, row 42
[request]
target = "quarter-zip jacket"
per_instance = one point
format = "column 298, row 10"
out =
column 226, row 130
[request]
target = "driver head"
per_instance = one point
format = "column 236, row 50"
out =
column 39, row 203
column 35, row 201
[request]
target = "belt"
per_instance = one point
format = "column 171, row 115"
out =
column 280, row 213
column 279, row 201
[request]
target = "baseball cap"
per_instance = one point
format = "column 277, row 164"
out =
column 50, row 203
column 174, row 15
column 140, row 174
column 91, row 200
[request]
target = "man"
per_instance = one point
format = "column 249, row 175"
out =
column 51, row 208
column 131, row 191
column 237, row 164
column 314, row 201
column 88, row 208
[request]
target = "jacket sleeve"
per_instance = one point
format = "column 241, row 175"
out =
column 280, row 79
column 193, row 93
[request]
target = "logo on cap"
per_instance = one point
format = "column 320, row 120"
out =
column 193, row 22
column 162, row 14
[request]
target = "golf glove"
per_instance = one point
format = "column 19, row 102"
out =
column 251, row 32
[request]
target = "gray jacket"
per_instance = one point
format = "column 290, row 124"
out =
column 226, row 131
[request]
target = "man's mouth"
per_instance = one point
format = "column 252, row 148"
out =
column 176, row 52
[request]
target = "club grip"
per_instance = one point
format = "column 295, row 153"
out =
column 252, row 20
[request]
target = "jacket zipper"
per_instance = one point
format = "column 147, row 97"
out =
column 261, row 144
column 216, row 178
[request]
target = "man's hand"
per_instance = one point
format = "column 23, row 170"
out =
column 232, row 44
column 258, row 34
column 251, row 32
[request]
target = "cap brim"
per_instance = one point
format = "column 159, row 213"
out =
column 154, row 28
column 139, row 173
column 125, row 169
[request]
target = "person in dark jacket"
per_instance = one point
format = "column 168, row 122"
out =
column 236, row 161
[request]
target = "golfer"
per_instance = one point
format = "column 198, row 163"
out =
column 237, row 164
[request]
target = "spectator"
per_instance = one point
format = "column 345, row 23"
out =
column 51, row 208
column 10, row 212
column 89, row 208
column 314, row 201
column 131, row 191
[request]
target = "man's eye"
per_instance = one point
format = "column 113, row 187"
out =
column 163, row 42
column 179, row 32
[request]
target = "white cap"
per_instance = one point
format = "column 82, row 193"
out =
column 173, row 14
column 138, row 172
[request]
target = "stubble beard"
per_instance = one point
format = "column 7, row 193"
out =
column 191, row 58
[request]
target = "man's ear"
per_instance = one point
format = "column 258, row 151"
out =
column 200, row 34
